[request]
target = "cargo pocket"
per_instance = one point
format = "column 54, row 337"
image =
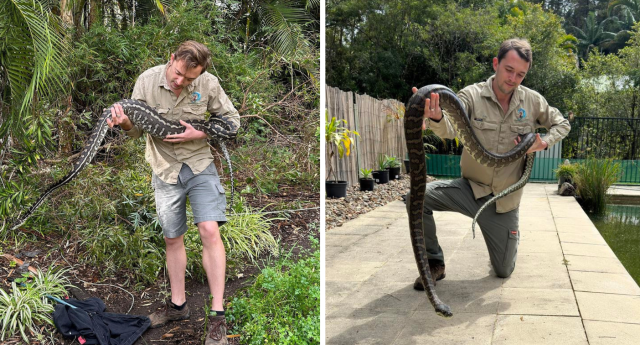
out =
column 512, row 248
column 219, row 187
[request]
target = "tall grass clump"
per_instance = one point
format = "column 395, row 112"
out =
column 24, row 309
column 283, row 305
column 593, row 178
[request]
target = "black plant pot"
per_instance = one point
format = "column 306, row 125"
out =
column 381, row 176
column 367, row 184
column 394, row 173
column 336, row 189
column 407, row 165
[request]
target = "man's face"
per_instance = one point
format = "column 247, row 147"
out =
column 179, row 76
column 509, row 72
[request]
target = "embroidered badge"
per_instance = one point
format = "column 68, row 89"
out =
column 195, row 97
column 522, row 114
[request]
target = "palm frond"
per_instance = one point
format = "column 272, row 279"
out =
column 284, row 21
column 33, row 57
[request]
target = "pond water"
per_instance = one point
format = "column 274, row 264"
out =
column 620, row 227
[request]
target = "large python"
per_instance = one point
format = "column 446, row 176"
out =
column 458, row 117
column 147, row 119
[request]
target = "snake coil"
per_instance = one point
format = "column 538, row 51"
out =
column 147, row 119
column 413, row 120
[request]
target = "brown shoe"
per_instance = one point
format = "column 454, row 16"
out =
column 217, row 334
column 437, row 273
column 168, row 313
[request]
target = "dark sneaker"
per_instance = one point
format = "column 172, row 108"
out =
column 168, row 313
column 437, row 273
column 217, row 334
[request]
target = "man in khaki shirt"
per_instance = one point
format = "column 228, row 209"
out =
column 183, row 166
column 500, row 110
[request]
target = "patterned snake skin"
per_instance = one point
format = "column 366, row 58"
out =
column 146, row 118
column 458, row 117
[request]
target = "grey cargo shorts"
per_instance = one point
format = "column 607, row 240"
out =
column 206, row 195
column 500, row 230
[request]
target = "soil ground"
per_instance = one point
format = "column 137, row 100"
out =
column 293, row 232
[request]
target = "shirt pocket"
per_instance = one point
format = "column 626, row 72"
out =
column 485, row 131
column 162, row 111
column 520, row 131
column 194, row 112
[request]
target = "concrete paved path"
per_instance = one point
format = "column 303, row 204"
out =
column 568, row 286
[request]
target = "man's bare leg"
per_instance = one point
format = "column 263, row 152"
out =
column 177, row 266
column 214, row 261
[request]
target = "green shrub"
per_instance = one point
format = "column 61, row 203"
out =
column 248, row 233
column 24, row 310
column 593, row 178
column 283, row 305
column 568, row 171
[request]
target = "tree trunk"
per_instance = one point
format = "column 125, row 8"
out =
column 94, row 12
column 78, row 12
column 65, row 13
column 66, row 130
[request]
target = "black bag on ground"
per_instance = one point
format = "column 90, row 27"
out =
column 90, row 321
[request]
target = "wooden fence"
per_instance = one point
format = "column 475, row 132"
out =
column 381, row 128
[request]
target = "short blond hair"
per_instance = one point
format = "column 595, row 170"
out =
column 194, row 54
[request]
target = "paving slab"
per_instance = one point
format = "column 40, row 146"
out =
column 539, row 271
column 605, row 333
column 594, row 264
column 342, row 240
column 526, row 301
column 365, row 327
column 351, row 270
column 581, row 237
column 424, row 327
column 536, row 330
column 615, row 283
column 609, row 307
column 595, row 250
column 568, row 287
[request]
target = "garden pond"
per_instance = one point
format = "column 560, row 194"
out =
column 620, row 227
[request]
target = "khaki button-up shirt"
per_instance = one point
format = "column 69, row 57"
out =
column 497, row 131
column 202, row 95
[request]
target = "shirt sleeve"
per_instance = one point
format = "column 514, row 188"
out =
column 138, row 93
column 551, row 118
column 220, row 105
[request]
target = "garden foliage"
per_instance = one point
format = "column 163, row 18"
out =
column 281, row 307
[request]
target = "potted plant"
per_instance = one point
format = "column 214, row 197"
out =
column 366, row 180
column 339, row 141
column 565, row 173
column 382, row 174
column 393, row 165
